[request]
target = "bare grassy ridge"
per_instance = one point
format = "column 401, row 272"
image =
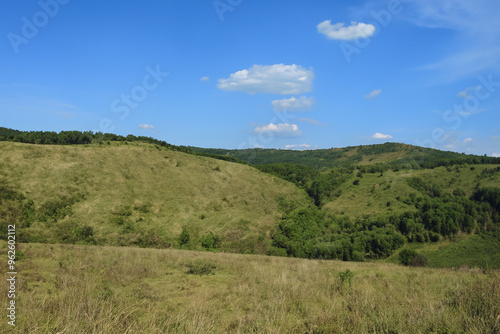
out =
column 143, row 195
column 89, row 289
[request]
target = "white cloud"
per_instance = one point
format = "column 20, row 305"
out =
column 299, row 146
column 496, row 155
column 379, row 135
column 146, row 127
column 373, row 94
column 495, row 137
column 467, row 140
column 338, row 31
column 272, row 79
column 282, row 129
column 293, row 104
column 312, row 121
column 204, row 79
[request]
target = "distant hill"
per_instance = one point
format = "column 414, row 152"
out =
column 386, row 156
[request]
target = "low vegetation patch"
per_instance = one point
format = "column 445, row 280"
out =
column 200, row 267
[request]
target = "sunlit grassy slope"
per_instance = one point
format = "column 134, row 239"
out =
column 99, row 289
column 385, row 193
column 142, row 194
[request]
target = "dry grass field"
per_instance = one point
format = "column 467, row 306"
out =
column 96, row 289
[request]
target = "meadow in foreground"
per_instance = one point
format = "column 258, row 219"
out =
column 95, row 289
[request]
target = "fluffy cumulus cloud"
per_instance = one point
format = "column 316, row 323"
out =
column 373, row 94
column 298, row 147
column 293, row 104
column 338, row 31
column 496, row 155
column 282, row 129
column 379, row 135
column 146, row 127
column 272, row 79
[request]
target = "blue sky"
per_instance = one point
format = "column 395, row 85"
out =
column 239, row 73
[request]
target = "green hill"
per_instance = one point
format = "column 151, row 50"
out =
column 384, row 156
column 126, row 194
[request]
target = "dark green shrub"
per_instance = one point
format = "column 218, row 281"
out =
column 20, row 255
column 275, row 251
column 345, row 277
column 200, row 267
column 85, row 234
column 184, row 237
column 406, row 255
column 210, row 241
column 418, row 261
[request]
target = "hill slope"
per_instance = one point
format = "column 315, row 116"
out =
column 123, row 194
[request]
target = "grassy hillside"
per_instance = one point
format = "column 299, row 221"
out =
column 89, row 289
column 388, row 192
column 125, row 194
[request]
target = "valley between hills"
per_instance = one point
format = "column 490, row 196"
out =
column 138, row 234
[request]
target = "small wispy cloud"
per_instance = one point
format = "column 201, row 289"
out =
column 282, row 129
column 467, row 140
column 297, row 147
column 204, row 79
column 373, row 94
column 146, row 127
column 379, row 135
column 293, row 104
column 338, row 31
